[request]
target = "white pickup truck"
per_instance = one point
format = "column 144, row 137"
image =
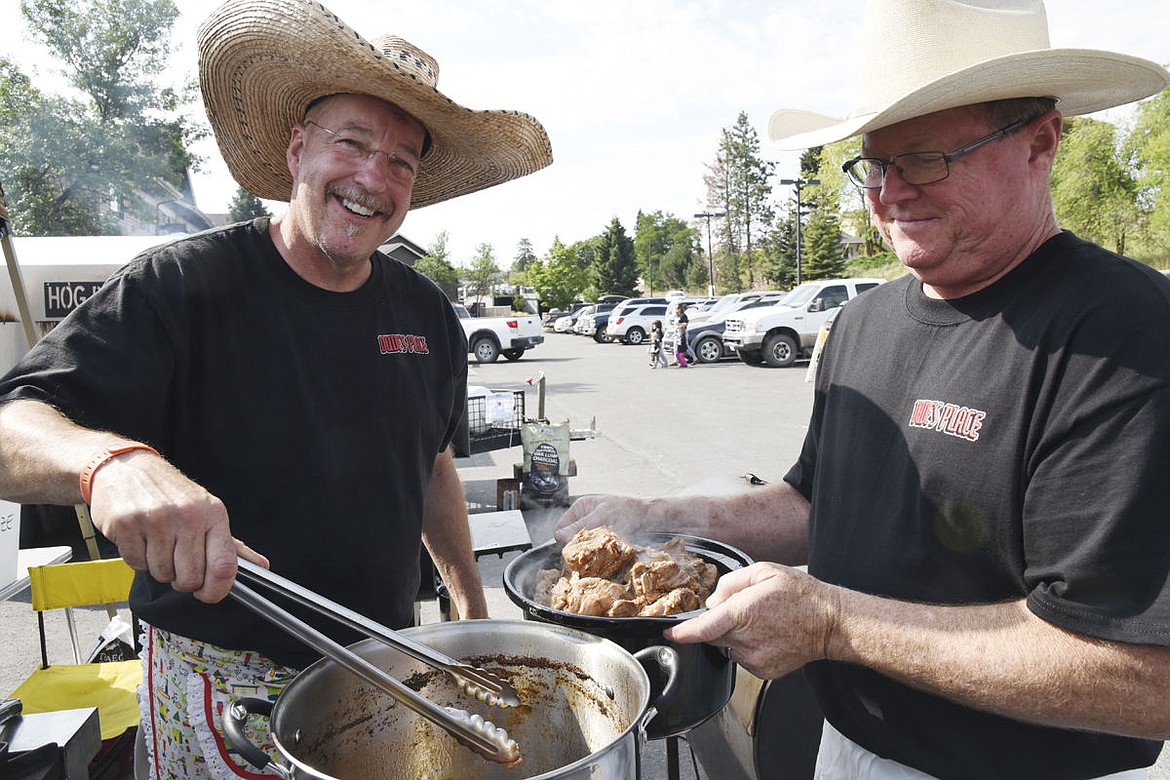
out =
column 490, row 337
column 787, row 330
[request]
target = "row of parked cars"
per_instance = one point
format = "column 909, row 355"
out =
column 771, row 327
column 624, row 320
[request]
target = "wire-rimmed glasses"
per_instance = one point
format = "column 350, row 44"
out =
column 918, row 168
column 354, row 148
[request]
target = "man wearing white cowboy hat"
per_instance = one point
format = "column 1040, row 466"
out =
column 276, row 385
column 981, row 497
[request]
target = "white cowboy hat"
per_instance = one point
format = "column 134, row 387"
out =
column 262, row 62
column 923, row 56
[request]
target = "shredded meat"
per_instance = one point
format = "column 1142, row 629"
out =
column 604, row 575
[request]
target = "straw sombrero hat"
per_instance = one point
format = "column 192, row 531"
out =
column 922, row 56
column 262, row 62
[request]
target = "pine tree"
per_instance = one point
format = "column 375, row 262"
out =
column 739, row 185
column 823, row 254
column 524, row 256
column 246, row 206
column 615, row 270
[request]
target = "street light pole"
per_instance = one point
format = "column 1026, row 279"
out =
column 710, row 258
column 798, row 183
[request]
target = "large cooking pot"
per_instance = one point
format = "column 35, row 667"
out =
column 584, row 707
column 706, row 676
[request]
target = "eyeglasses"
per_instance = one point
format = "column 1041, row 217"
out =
column 355, row 149
column 918, row 168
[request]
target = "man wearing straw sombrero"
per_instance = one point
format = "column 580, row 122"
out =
column 981, row 498
column 276, row 385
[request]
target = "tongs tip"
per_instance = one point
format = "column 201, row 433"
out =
column 495, row 744
column 488, row 688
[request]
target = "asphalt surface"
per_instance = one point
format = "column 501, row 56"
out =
column 662, row 431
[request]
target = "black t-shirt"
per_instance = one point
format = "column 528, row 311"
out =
column 315, row 416
column 1010, row 444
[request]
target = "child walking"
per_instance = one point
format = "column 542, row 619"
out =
column 657, row 354
column 680, row 339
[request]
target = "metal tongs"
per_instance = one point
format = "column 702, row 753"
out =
column 480, row 735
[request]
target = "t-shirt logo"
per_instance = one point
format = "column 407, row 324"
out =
column 402, row 344
column 951, row 419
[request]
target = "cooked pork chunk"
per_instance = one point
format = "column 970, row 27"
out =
column 590, row 595
column 672, row 603
column 638, row 581
column 597, row 552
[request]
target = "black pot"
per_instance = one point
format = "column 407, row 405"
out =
column 706, row 676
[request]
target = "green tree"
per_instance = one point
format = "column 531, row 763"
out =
column 615, row 269
column 664, row 246
column 435, row 266
column 739, row 185
column 1094, row 191
column 586, row 253
column 822, row 253
column 559, row 278
column 524, row 256
column 779, row 263
column 1148, row 145
column 483, row 273
column 48, row 191
column 854, row 214
column 246, row 206
column 124, row 141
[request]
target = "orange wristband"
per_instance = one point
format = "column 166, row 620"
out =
column 104, row 457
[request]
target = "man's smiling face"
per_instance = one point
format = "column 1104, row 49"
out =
column 345, row 204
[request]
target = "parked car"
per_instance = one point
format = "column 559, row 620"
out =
column 599, row 329
column 729, row 302
column 705, row 336
column 780, row 334
column 490, row 337
column 701, row 305
column 590, row 324
column 631, row 304
column 551, row 316
column 631, row 324
column 567, row 323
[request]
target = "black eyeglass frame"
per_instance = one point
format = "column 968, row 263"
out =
column 945, row 157
column 365, row 150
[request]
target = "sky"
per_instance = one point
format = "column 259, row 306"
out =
column 634, row 94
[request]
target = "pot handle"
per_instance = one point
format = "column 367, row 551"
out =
column 667, row 660
column 235, row 719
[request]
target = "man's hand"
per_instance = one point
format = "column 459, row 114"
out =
column 167, row 525
column 772, row 619
column 621, row 513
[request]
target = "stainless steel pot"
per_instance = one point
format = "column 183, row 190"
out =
column 706, row 676
column 585, row 703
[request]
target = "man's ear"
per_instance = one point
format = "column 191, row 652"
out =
column 296, row 147
column 1046, row 138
